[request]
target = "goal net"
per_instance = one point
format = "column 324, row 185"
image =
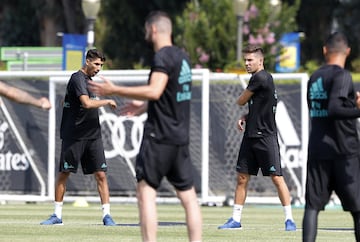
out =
column 214, row 139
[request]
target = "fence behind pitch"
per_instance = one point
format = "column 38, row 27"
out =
column 34, row 137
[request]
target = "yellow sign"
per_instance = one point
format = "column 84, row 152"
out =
column 288, row 57
column 73, row 59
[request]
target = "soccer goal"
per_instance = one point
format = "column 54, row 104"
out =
column 214, row 139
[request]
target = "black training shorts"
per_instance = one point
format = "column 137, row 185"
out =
column 90, row 153
column 339, row 175
column 156, row 161
column 256, row 153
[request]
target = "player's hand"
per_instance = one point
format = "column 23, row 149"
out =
column 133, row 108
column 45, row 103
column 241, row 124
column 358, row 100
column 102, row 88
column 112, row 104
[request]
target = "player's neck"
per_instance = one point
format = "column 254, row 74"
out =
column 83, row 69
column 162, row 42
column 338, row 60
column 258, row 70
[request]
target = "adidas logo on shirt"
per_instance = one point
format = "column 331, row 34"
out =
column 316, row 94
column 317, row 90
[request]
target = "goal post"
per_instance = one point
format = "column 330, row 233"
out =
column 214, row 141
column 137, row 77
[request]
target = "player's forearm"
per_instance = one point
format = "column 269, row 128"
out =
column 23, row 97
column 244, row 97
column 337, row 111
column 138, row 92
column 96, row 103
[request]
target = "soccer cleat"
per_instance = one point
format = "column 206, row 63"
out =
column 290, row 225
column 53, row 220
column 108, row 221
column 231, row 224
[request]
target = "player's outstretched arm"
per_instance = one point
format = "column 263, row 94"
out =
column 20, row 96
column 88, row 103
column 151, row 91
column 104, row 88
column 133, row 108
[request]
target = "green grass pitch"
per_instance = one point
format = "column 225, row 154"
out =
column 20, row 222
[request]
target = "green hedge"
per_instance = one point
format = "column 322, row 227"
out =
column 356, row 77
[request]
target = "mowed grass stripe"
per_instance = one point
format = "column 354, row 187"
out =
column 20, row 222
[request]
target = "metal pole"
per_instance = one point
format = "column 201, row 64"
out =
column 25, row 61
column 51, row 140
column 205, row 95
column 239, row 38
column 91, row 33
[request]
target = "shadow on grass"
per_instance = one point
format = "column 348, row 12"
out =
column 160, row 224
column 337, row 229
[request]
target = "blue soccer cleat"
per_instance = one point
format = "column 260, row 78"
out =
column 53, row 220
column 231, row 224
column 108, row 221
column 290, row 225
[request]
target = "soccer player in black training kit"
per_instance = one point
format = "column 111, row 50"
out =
column 164, row 150
column 80, row 132
column 333, row 152
column 259, row 147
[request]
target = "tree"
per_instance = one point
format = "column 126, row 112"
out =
column 347, row 20
column 15, row 15
column 265, row 23
column 122, row 23
column 207, row 30
column 36, row 22
column 315, row 19
column 318, row 18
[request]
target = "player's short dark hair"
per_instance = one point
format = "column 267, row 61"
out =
column 253, row 49
column 336, row 42
column 94, row 54
column 154, row 16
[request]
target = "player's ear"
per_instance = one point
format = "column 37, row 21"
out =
column 324, row 50
column 348, row 50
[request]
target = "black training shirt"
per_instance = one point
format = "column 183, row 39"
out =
column 333, row 113
column 169, row 117
column 79, row 123
column 262, row 106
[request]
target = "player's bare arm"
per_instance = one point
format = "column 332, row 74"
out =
column 96, row 103
column 104, row 88
column 20, row 96
column 134, row 108
column 152, row 91
column 244, row 97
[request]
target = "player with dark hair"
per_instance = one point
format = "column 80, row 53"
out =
column 164, row 150
column 259, row 147
column 81, row 137
column 333, row 152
